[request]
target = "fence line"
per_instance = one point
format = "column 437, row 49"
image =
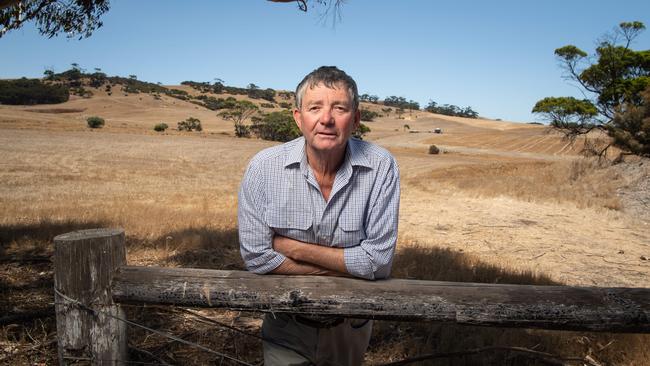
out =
column 90, row 268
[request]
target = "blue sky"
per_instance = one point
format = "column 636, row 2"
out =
column 495, row 56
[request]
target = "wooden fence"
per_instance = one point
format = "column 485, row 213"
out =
column 92, row 279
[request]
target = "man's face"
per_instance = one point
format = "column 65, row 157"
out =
column 327, row 118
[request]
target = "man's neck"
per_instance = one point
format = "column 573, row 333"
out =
column 325, row 163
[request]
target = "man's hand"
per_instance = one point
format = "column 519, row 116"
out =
column 306, row 258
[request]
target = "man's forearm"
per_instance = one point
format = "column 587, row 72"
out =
column 311, row 254
column 292, row 267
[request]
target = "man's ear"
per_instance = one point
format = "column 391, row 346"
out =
column 297, row 117
column 357, row 118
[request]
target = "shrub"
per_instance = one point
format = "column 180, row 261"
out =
column 161, row 127
column 190, row 124
column 286, row 105
column 214, row 104
column 242, row 111
column 360, row 131
column 631, row 128
column 368, row 115
column 95, row 122
column 31, row 91
column 81, row 91
column 242, row 130
column 433, row 149
column 267, row 105
column 276, row 126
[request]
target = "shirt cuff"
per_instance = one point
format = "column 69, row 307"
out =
column 358, row 263
column 266, row 263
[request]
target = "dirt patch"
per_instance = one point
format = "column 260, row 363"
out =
column 56, row 110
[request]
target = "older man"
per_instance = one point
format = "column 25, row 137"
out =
column 322, row 204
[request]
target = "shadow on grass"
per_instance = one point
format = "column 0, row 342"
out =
column 442, row 264
column 43, row 231
column 199, row 247
column 398, row 340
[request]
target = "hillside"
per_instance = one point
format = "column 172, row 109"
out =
column 503, row 203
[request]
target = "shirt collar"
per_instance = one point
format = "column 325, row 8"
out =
column 353, row 154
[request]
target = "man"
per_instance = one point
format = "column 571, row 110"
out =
column 322, row 204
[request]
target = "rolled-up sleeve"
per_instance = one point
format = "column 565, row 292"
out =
column 255, row 236
column 373, row 257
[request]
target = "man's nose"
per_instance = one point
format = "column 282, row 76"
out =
column 326, row 116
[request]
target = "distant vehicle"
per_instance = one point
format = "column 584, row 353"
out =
column 437, row 130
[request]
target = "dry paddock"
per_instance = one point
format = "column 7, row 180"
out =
column 465, row 216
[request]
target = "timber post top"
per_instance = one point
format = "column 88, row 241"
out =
column 89, row 234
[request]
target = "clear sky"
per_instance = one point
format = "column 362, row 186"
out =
column 495, row 56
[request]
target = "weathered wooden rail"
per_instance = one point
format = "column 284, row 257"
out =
column 91, row 273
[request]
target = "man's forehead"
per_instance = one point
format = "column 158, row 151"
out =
column 318, row 91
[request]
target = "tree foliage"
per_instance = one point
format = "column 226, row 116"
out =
column 276, row 126
column 31, row 91
column 190, row 124
column 82, row 17
column 612, row 80
column 450, row 110
column 72, row 17
column 401, row 102
column 241, row 111
column 368, row 115
column 360, row 131
column 631, row 128
column 369, row 98
column 566, row 112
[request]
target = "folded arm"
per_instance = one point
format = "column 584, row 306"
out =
column 308, row 259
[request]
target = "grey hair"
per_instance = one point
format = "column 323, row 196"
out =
column 330, row 76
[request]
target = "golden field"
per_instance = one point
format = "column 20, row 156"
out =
column 505, row 202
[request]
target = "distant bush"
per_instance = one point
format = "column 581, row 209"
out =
column 266, row 94
column 433, row 149
column 361, row 131
column 267, row 105
column 190, row 124
column 286, row 94
column 368, row 115
column 215, row 104
column 161, row 127
column 369, row 98
column 401, row 102
column 31, row 91
column 177, row 93
column 286, row 105
column 451, row 110
column 276, row 126
column 95, row 122
column 242, row 130
column 81, row 91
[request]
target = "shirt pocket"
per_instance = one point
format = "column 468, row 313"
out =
column 292, row 223
column 349, row 231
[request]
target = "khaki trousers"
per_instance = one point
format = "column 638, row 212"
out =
column 342, row 345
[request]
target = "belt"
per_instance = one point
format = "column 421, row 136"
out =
column 320, row 324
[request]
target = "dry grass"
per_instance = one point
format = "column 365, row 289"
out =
column 583, row 182
column 393, row 341
column 176, row 198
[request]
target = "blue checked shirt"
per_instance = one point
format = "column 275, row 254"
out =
column 279, row 195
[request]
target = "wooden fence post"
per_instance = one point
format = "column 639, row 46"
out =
column 84, row 264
